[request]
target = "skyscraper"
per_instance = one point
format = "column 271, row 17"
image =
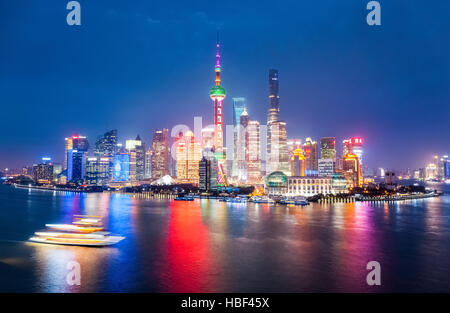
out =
column 68, row 145
column 136, row 149
column 76, row 158
column 188, row 155
column 204, row 174
column 277, row 150
column 148, row 164
column 253, row 152
column 43, row 172
column 274, row 98
column 352, row 170
column 327, row 148
column 241, row 155
column 106, row 145
column 310, row 150
column 238, row 108
column 97, row 171
column 354, row 145
column 294, row 144
column 298, row 163
column 160, row 158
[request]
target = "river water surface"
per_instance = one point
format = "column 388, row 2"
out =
column 212, row 246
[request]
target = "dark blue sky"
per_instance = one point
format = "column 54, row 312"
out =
column 141, row 65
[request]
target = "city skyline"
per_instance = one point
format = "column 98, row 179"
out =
column 133, row 108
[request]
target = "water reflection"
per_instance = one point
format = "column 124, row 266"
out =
column 211, row 246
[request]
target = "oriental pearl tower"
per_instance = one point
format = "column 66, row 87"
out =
column 217, row 94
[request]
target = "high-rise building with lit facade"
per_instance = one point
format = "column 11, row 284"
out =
column 293, row 144
column 106, row 145
column 121, row 167
column 274, row 98
column 207, row 138
column 241, row 156
column 447, row 170
column 326, row 167
column 43, row 172
column 277, row 157
column 253, row 153
column 161, row 155
column 76, row 152
column 311, row 157
column 352, row 170
column 204, row 174
column 148, row 164
column 239, row 105
column 298, row 163
column 354, row 145
column 443, row 160
column 76, row 164
column 136, row 149
column 97, row 171
column 327, row 148
column 188, row 155
column 68, row 145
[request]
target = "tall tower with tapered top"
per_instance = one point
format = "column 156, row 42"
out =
column 217, row 94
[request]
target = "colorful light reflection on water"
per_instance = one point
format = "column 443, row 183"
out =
column 212, row 246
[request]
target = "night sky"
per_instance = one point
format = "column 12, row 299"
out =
column 140, row 65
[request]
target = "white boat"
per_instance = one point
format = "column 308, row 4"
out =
column 294, row 200
column 84, row 231
column 236, row 200
column 261, row 199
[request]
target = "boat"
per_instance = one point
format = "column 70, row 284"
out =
column 261, row 199
column 184, row 198
column 84, row 231
column 294, row 200
column 236, row 200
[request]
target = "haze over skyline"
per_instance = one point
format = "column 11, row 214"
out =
column 140, row 66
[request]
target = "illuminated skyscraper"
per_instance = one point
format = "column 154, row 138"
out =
column 298, row 163
column 97, row 171
column 106, row 145
column 207, row 138
column 293, row 144
column 238, row 109
column 43, row 172
column 76, row 158
column 161, row 155
column 274, row 98
column 136, row 149
column 327, row 148
column 352, row 170
column 121, row 171
column 188, row 155
column 148, row 164
column 68, row 145
column 277, row 150
column 241, row 156
column 310, row 150
column 354, row 145
column 253, row 153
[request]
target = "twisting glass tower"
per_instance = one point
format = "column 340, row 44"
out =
column 217, row 94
